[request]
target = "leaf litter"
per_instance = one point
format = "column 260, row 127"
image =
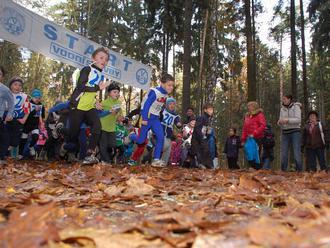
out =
column 56, row 205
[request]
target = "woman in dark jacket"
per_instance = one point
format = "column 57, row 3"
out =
column 315, row 139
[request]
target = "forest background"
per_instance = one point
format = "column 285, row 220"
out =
column 220, row 51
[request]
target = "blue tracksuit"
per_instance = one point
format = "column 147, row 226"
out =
column 150, row 109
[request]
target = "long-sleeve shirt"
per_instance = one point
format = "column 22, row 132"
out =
column 6, row 101
column 168, row 120
column 83, row 96
column 153, row 103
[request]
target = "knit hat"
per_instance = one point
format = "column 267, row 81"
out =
column 36, row 93
column 15, row 79
column 170, row 100
column 113, row 86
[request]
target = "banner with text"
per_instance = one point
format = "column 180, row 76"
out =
column 23, row 27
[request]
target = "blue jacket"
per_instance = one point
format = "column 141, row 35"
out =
column 168, row 120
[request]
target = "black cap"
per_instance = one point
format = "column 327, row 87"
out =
column 15, row 79
column 113, row 86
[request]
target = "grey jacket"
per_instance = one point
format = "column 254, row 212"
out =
column 293, row 114
column 6, row 101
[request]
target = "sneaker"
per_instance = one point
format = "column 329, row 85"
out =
column 32, row 151
column 132, row 162
column 105, row 163
column 90, row 160
column 20, row 157
column 158, row 163
column 56, row 130
column 201, row 166
column 72, row 158
column 62, row 150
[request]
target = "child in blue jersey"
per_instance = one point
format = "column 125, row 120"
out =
column 169, row 118
column 21, row 113
column 150, row 110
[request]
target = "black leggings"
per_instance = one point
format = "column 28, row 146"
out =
column 91, row 118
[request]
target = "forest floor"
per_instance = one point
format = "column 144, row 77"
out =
column 56, row 205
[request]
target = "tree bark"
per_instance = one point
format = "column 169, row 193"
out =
column 293, row 50
column 254, row 71
column 249, row 47
column 281, row 69
column 186, row 55
column 201, row 62
column 304, row 64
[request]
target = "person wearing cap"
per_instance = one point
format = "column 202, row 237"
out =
column 111, row 111
column 169, row 118
column 20, row 115
column 31, row 126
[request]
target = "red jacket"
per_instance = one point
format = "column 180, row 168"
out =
column 254, row 125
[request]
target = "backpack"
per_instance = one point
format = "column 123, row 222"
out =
column 268, row 141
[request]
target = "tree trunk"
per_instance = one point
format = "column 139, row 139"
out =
column 201, row 63
column 214, row 64
column 281, row 69
column 164, row 53
column 304, row 66
column 173, row 65
column 254, row 71
column 249, row 47
column 128, row 108
column 186, row 55
column 293, row 50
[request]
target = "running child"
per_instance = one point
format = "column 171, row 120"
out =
column 90, row 80
column 150, row 110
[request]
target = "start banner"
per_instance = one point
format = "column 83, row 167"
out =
column 25, row 28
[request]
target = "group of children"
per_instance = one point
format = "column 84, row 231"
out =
column 22, row 121
column 86, row 129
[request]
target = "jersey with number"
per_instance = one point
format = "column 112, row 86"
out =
column 22, row 105
column 155, row 101
column 36, row 110
column 169, row 119
column 87, row 84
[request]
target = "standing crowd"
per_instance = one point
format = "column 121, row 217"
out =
column 86, row 129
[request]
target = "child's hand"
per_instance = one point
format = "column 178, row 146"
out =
column 38, row 107
column 22, row 121
column 8, row 119
column 104, row 84
column 98, row 106
column 144, row 123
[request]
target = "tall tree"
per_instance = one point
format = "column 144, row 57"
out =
column 251, row 73
column 293, row 49
column 304, row 63
column 319, row 13
column 187, row 54
column 278, row 33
